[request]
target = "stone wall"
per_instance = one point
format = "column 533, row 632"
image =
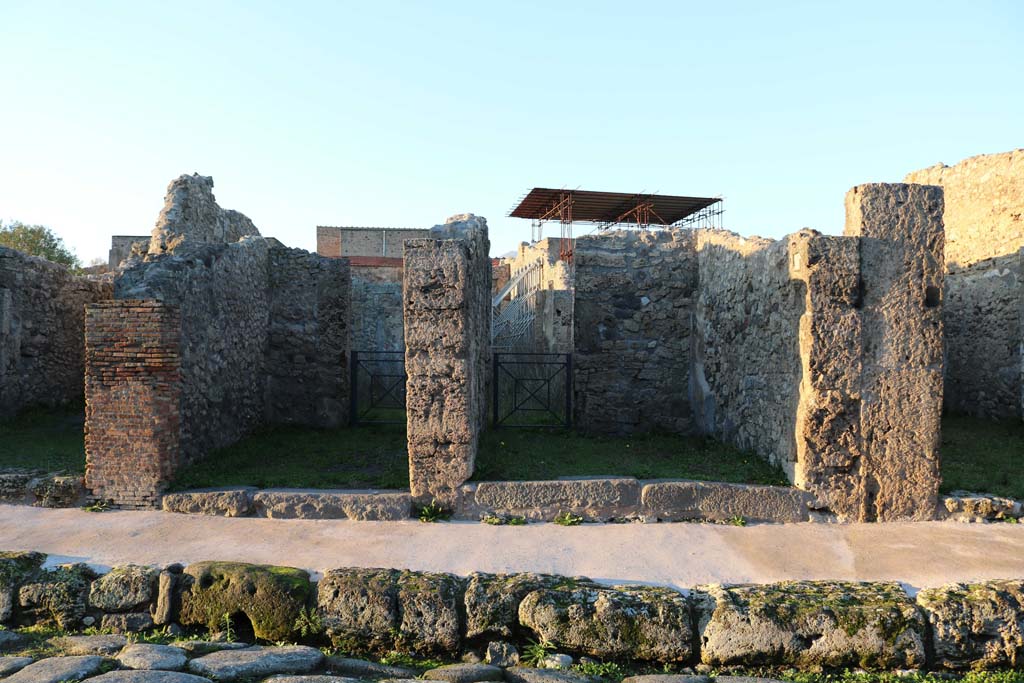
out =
column 447, row 303
column 821, row 354
column 337, row 242
column 121, row 248
column 746, row 350
column 133, row 387
column 635, row 293
column 984, row 295
column 222, row 291
column 308, row 339
column 263, row 335
column 377, row 323
column 42, row 308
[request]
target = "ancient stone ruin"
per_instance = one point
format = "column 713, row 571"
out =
column 823, row 354
column 204, row 341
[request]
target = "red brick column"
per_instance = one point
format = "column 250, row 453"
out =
column 133, row 400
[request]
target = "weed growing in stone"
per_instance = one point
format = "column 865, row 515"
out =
column 609, row 671
column 737, row 521
column 499, row 520
column 395, row 658
column 535, row 651
column 98, row 506
column 229, row 627
column 433, row 512
column 567, row 519
column 309, row 623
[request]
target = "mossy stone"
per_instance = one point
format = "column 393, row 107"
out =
column 270, row 597
column 16, row 568
column 56, row 596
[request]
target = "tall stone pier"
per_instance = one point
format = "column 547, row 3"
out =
column 446, row 301
column 901, row 269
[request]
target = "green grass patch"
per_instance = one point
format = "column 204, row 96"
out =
column 301, row 457
column 48, row 439
column 525, row 454
column 984, row 456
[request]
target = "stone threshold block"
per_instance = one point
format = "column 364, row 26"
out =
column 359, row 504
column 673, row 501
column 596, row 499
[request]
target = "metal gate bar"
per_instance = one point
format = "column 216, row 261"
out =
column 384, row 389
column 531, row 394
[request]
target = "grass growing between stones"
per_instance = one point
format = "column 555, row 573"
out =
column 983, row 456
column 523, row 454
column 300, row 457
column 48, row 439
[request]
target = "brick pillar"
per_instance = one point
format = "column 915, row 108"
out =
column 828, row 432
column 133, row 400
column 446, row 300
column 901, row 265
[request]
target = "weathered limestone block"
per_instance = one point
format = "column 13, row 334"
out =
column 191, row 215
column 810, row 624
column 168, row 600
column 359, row 605
column 465, row 673
column 124, row 589
column 14, row 486
column 682, row 500
column 594, row 499
column 221, row 502
column 152, row 657
column 446, row 296
column 57, row 596
column 428, row 612
column 964, row 506
column 57, row 491
column 901, row 264
column 492, row 600
column 58, row 669
column 638, row 622
column 130, row 622
column 356, row 505
column 271, row 598
column 976, row 625
column 16, row 569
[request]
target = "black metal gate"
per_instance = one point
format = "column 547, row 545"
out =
column 377, row 387
column 532, row 390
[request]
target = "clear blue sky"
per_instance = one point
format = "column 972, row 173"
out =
column 402, row 113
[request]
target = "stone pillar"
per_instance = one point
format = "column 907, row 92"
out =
column 901, row 266
column 446, row 301
column 133, row 400
column 828, row 436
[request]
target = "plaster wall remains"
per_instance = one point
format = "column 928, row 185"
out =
column 635, row 295
column 984, row 293
column 822, row 354
column 337, row 242
column 447, row 303
column 556, row 274
column 121, row 247
column 42, row 307
column 263, row 334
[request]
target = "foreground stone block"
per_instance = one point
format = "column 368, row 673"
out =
column 356, row 505
column 57, row 596
column 359, row 605
column 57, row 670
column 811, row 624
column 124, row 589
column 57, row 491
column 428, row 607
column 626, row 621
column 492, row 600
column 152, row 657
column 89, row 645
column 522, row 674
column 231, row 665
column 149, row 677
column 594, row 499
column 10, row 665
column 221, row 502
column 360, row 668
column 673, row 501
column 16, row 568
column 465, row 673
column 976, row 625
column 270, row 597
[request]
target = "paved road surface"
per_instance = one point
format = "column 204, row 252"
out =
column 680, row 555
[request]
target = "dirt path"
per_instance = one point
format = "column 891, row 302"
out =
column 681, row 555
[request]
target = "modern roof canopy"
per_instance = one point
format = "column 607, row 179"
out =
column 609, row 208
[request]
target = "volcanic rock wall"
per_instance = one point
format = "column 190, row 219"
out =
column 42, row 307
column 984, row 294
column 447, row 348
column 635, row 293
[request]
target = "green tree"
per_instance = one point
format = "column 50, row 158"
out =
column 37, row 240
